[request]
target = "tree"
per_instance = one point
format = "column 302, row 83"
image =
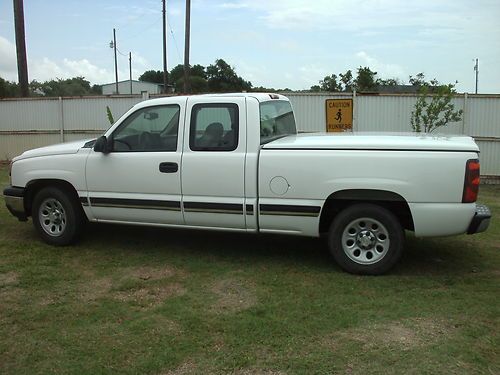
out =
column 96, row 89
column 197, row 78
column 388, row 82
column 177, row 73
column 435, row 110
column 334, row 83
column 419, row 81
column 329, row 83
column 222, row 78
column 76, row 86
column 153, row 76
column 347, row 80
column 8, row 89
column 366, row 81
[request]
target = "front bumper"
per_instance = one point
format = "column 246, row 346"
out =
column 481, row 219
column 14, row 200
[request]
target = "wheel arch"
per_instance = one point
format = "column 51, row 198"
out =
column 341, row 199
column 34, row 186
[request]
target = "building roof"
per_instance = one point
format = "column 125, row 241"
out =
column 398, row 89
column 134, row 80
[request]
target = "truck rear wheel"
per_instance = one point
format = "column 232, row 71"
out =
column 57, row 217
column 366, row 239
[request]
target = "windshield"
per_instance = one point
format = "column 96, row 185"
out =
column 276, row 120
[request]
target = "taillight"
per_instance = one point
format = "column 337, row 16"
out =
column 471, row 181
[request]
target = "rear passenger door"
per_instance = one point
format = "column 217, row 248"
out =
column 213, row 162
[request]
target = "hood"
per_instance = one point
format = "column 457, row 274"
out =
column 376, row 141
column 58, row 149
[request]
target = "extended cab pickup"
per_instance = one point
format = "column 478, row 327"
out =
column 235, row 162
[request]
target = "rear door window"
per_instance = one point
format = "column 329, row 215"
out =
column 214, row 127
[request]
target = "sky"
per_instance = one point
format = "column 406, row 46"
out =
column 278, row 43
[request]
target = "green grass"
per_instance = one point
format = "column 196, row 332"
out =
column 134, row 300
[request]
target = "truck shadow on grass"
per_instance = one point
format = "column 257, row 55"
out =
column 421, row 256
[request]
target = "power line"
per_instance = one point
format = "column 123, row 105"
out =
column 145, row 28
column 121, row 53
column 175, row 42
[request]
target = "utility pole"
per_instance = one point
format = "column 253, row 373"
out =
column 165, row 71
column 130, row 70
column 186, row 47
column 113, row 45
column 476, row 68
column 22, row 64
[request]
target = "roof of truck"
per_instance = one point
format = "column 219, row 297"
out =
column 260, row 96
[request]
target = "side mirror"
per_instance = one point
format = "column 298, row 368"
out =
column 101, row 145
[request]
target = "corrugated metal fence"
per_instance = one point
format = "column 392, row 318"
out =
column 391, row 113
column 29, row 123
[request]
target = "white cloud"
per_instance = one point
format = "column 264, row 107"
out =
column 234, row 5
column 46, row 69
column 453, row 17
column 310, row 75
column 8, row 60
column 383, row 70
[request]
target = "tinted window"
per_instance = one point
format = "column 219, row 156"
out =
column 276, row 120
column 214, row 127
column 149, row 129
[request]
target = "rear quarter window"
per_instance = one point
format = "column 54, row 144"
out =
column 276, row 120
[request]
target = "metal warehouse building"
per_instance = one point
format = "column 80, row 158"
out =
column 132, row 87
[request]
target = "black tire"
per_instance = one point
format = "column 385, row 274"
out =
column 366, row 239
column 50, row 206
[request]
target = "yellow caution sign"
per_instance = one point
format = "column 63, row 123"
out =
column 338, row 115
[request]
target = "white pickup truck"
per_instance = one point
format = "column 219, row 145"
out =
column 235, row 162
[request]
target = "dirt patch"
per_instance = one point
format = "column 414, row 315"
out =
column 233, row 295
column 95, row 288
column 494, row 272
column 187, row 368
column 149, row 273
column 404, row 335
column 47, row 300
column 151, row 296
column 10, row 299
column 10, row 295
column 137, row 281
column 160, row 324
column 8, row 278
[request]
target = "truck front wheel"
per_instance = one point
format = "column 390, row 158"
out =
column 366, row 239
column 56, row 216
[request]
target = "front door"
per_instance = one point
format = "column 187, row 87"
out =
column 139, row 180
column 213, row 162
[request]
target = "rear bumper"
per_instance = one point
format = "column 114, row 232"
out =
column 481, row 220
column 14, row 200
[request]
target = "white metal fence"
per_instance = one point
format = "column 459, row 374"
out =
column 29, row 123
column 391, row 113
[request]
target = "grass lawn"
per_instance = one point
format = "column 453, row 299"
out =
column 133, row 300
